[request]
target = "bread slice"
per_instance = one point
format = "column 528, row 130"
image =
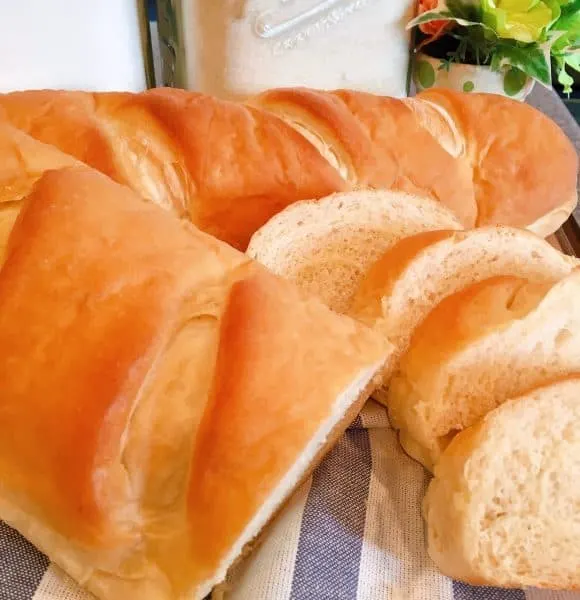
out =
column 418, row 272
column 489, row 342
column 504, row 506
column 327, row 246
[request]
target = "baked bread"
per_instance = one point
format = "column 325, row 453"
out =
column 482, row 155
column 161, row 393
column 230, row 167
column 380, row 142
column 489, row 342
column 23, row 161
column 326, row 247
column 505, row 143
column 225, row 166
column 502, row 509
column 419, row 271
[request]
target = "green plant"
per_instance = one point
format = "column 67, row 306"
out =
column 530, row 36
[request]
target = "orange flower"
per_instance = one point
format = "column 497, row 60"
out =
column 433, row 28
column 425, row 5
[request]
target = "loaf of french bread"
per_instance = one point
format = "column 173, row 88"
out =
column 229, row 167
column 162, row 394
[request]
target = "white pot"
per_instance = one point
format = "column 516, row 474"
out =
column 427, row 73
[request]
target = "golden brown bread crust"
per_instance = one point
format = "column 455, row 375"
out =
column 63, row 119
column 454, row 316
column 381, row 141
column 367, row 303
column 247, row 165
column 226, row 166
column 181, row 381
column 241, row 393
column 331, row 441
column 124, row 142
column 482, row 156
column 515, row 179
column 22, row 161
column 230, row 167
column 449, row 327
column 408, row 157
column 106, row 326
column 330, row 119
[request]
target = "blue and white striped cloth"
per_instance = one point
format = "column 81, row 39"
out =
column 353, row 531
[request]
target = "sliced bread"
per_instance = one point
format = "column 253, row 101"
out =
column 418, row 272
column 327, row 246
column 491, row 341
column 504, row 506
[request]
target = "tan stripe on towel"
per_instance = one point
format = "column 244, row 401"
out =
column 394, row 561
column 268, row 571
column 56, row 585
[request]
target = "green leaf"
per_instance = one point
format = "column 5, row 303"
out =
column 462, row 12
column 514, row 81
column 571, row 8
column 495, row 64
column 565, row 32
column 430, row 15
column 437, row 15
column 531, row 59
column 563, row 62
column 518, row 5
column 568, row 26
column 565, row 80
column 468, row 10
column 573, row 60
column 425, row 74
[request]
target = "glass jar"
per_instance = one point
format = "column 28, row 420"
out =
column 235, row 48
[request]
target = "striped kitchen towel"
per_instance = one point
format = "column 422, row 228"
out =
column 353, row 531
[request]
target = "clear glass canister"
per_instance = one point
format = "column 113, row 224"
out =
column 234, row 48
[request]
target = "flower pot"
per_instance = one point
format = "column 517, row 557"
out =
column 428, row 72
